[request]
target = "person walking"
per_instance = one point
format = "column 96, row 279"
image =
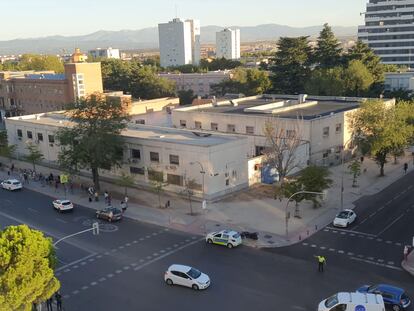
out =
column 123, row 206
column 96, row 196
column 12, row 167
column 106, row 195
column 321, row 262
column 49, row 304
column 405, row 168
column 406, row 252
column 126, row 199
column 58, row 298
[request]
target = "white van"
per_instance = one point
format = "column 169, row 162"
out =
column 352, row 302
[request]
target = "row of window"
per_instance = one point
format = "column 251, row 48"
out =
column 155, row 157
column 338, row 129
column 29, row 134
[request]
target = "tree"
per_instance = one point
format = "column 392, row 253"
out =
column 282, row 146
column 190, row 184
column 355, row 170
column 291, row 65
column 327, row 54
column 34, row 155
column 357, row 79
column 289, row 189
column 6, row 150
column 379, row 128
column 27, row 262
column 157, row 183
column 186, row 97
column 244, row 81
column 40, row 63
column 219, row 64
column 326, row 82
column 126, row 181
column 314, row 179
column 94, row 141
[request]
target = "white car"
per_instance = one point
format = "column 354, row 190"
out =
column 344, row 218
column 186, row 276
column 11, row 184
column 62, row 205
column 227, row 238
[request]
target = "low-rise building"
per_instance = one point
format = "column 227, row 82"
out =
column 399, row 81
column 199, row 83
column 105, row 53
column 215, row 164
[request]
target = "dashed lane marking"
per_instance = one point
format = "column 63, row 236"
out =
column 377, row 264
column 350, row 231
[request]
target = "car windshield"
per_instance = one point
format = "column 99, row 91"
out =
column 373, row 288
column 342, row 215
column 194, row 273
column 331, row 301
column 16, row 183
column 65, row 203
column 236, row 236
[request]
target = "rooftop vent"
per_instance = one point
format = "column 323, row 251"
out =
column 302, row 98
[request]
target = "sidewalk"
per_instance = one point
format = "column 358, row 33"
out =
column 253, row 209
column 408, row 264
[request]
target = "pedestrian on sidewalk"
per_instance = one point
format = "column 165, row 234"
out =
column 362, row 159
column 26, row 178
column 321, row 262
column 405, row 167
column 49, row 304
column 123, row 206
column 12, row 168
column 96, row 196
column 406, row 252
column 106, row 195
column 126, row 199
column 109, row 200
column 58, row 298
column 56, row 185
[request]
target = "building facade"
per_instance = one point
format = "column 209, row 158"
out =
column 179, row 42
column 395, row 81
column 199, row 83
column 228, row 43
column 176, row 155
column 389, row 30
column 105, row 53
column 33, row 92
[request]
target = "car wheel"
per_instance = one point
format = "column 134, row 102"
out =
column 346, row 225
column 229, row 245
column 396, row 308
column 210, row 241
column 169, row 282
column 195, row 287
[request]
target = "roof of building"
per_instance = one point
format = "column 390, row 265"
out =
column 49, row 76
column 282, row 106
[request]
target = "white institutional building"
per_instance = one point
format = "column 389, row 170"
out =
column 389, row 30
column 179, row 42
column 228, row 43
column 105, row 53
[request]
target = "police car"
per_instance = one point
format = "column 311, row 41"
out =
column 227, row 238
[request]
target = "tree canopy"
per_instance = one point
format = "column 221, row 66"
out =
column 6, row 150
column 328, row 52
column 35, row 62
column 94, row 141
column 27, row 262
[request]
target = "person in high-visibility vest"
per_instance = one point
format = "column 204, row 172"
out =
column 321, row 262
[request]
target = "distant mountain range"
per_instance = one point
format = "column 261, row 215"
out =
column 148, row 38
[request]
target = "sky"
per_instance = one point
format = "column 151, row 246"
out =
column 40, row 18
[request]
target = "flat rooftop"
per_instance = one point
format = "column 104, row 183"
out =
column 282, row 107
column 146, row 132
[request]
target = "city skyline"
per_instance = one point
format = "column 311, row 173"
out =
column 48, row 19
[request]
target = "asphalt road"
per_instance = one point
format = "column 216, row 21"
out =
column 123, row 267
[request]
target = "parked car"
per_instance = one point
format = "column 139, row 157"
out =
column 63, row 205
column 11, row 184
column 393, row 296
column 344, row 218
column 352, row 301
column 186, row 276
column 228, row 238
column 109, row 213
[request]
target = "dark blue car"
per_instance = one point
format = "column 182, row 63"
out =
column 394, row 297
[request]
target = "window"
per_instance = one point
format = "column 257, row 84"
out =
column 136, row 170
column 325, row 131
column 231, row 128
column 135, row 154
column 29, row 134
column 140, row 121
column 183, row 123
column 250, row 130
column 227, row 182
column 175, row 179
column 51, row 139
column 155, row 175
column 260, row 150
column 39, row 136
column 174, row 159
column 214, row 126
column 338, row 128
column 19, row 133
column 154, row 157
column 197, row 125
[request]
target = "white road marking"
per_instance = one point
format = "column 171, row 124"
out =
column 331, row 249
column 304, row 243
column 350, row 231
column 75, row 262
column 377, row 264
column 341, row 252
column 390, row 225
column 32, row 210
column 61, row 220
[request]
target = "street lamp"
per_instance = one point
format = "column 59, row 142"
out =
column 342, row 172
column 202, row 172
column 287, row 204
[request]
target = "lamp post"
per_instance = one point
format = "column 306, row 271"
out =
column 202, row 172
column 342, row 172
column 287, row 204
